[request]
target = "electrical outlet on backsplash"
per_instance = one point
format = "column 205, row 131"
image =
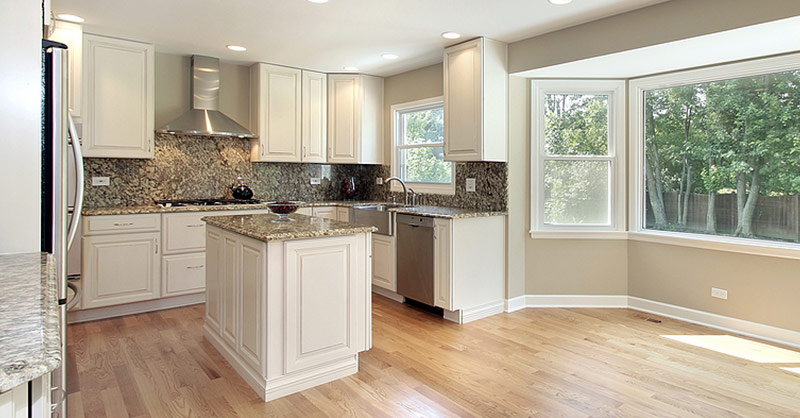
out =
column 186, row 166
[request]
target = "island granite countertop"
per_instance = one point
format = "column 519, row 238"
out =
column 262, row 228
column 30, row 344
column 433, row 211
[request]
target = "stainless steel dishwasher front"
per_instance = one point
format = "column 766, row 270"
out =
column 415, row 246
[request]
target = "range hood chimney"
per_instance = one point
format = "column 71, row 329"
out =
column 204, row 117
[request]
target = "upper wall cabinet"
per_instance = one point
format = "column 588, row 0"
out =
column 71, row 34
column 355, row 119
column 118, row 98
column 276, row 113
column 475, row 101
column 315, row 116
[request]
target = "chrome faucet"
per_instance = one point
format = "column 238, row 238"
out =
column 402, row 183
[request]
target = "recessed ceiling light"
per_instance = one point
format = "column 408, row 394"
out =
column 237, row 48
column 560, row 2
column 318, row 1
column 451, row 35
column 389, row 56
column 70, row 18
column 351, row 68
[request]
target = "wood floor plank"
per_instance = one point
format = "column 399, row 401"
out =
column 534, row 362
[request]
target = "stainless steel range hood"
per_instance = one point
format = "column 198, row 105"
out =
column 204, row 118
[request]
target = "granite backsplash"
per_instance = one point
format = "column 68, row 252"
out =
column 186, row 166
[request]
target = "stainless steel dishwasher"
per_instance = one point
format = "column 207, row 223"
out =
column 415, row 257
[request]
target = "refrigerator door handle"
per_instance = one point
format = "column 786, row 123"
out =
column 78, row 155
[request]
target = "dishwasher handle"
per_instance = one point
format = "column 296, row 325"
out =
column 415, row 220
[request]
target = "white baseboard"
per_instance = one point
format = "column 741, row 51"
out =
column 723, row 323
column 711, row 320
column 134, row 308
column 387, row 293
column 475, row 313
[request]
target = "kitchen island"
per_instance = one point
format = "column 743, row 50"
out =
column 288, row 304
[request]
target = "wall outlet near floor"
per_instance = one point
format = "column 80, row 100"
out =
column 101, row 181
column 378, row 180
column 719, row 293
column 470, row 185
column 316, row 180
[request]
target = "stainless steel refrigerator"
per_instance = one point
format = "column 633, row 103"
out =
column 58, row 228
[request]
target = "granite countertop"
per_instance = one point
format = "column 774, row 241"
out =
column 434, row 211
column 262, row 228
column 30, row 345
column 445, row 212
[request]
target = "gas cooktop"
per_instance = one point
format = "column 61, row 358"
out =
column 205, row 202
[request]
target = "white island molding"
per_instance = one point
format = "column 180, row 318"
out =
column 288, row 305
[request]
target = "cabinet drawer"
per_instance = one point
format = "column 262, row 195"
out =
column 111, row 224
column 184, row 232
column 183, row 274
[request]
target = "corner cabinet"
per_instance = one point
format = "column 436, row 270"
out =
column 118, row 98
column 476, row 101
column 355, row 119
column 315, row 117
column 275, row 112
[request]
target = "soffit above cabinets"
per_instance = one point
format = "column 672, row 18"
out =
column 327, row 37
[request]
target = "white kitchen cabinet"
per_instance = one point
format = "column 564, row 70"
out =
column 384, row 259
column 120, row 268
column 307, row 211
column 71, row 34
column 14, row 403
column 355, row 119
column 469, row 267
column 475, row 101
column 184, row 232
column 183, row 274
column 251, row 309
column 442, row 261
column 343, row 214
column 321, row 287
column 276, row 113
column 213, row 288
column 315, row 117
column 327, row 212
column 118, row 98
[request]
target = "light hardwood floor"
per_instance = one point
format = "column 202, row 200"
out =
column 534, row 362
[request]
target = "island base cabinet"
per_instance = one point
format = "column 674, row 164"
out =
column 288, row 315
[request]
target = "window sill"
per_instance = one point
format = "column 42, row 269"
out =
column 729, row 244
column 608, row 235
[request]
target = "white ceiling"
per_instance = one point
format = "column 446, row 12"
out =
column 330, row 36
column 772, row 38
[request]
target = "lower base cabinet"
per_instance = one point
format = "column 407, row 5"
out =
column 14, row 403
column 384, row 262
column 183, row 274
column 120, row 268
column 30, row 400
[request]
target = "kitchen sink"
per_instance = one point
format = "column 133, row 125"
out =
column 376, row 215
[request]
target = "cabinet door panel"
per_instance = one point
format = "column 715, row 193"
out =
column 120, row 269
column 321, row 287
column 230, row 295
column 327, row 212
column 183, row 274
column 119, row 98
column 184, row 232
column 315, row 117
column 383, row 262
column 277, row 112
column 443, row 284
column 463, row 102
column 252, row 302
column 213, row 290
column 343, row 214
column 345, row 118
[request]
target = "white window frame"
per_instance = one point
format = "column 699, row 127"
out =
column 637, row 88
column 615, row 89
column 397, row 136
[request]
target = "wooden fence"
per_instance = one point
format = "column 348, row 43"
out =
column 775, row 218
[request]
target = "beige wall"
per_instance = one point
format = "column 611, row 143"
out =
column 760, row 289
column 418, row 84
column 664, row 22
column 20, row 117
column 172, row 89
